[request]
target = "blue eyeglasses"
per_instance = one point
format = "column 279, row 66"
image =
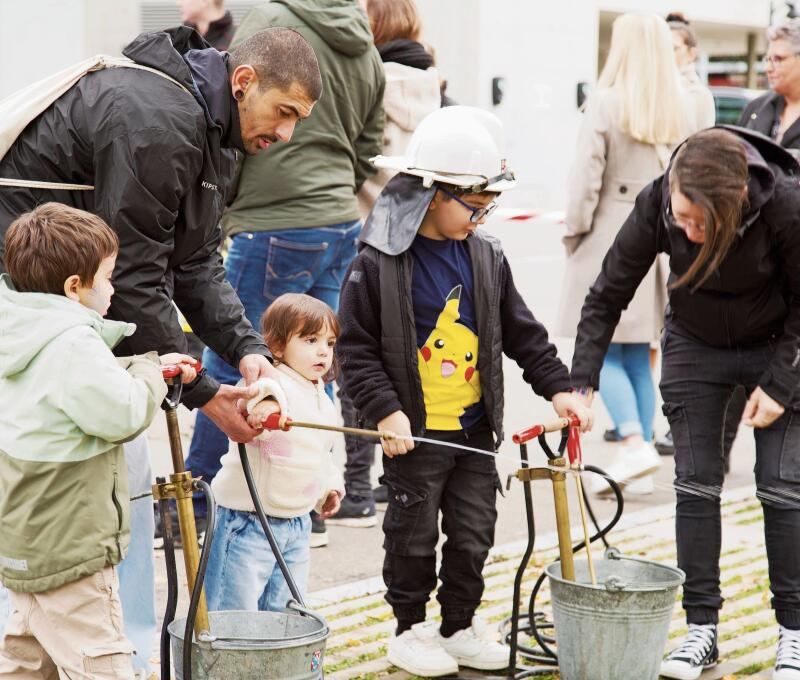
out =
column 478, row 214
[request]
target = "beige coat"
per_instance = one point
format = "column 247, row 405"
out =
column 705, row 111
column 410, row 95
column 608, row 171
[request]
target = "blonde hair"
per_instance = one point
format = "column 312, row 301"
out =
column 641, row 68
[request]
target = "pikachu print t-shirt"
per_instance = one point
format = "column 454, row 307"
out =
column 447, row 340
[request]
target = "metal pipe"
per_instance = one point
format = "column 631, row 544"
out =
column 562, row 521
column 175, row 443
column 590, row 562
column 191, row 551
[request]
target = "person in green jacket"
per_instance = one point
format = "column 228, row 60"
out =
column 68, row 405
column 295, row 218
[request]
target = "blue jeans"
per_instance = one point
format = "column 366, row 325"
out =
column 627, row 388
column 262, row 266
column 242, row 571
column 137, row 585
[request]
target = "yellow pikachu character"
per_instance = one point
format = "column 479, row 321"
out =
column 447, row 368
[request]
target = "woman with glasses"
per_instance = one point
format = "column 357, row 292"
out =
column 633, row 120
column 727, row 213
column 777, row 113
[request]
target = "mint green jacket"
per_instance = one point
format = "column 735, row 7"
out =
column 67, row 405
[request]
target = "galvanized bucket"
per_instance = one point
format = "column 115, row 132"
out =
column 254, row 646
column 617, row 629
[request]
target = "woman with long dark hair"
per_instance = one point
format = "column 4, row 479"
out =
column 727, row 212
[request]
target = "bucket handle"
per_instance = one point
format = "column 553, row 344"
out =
column 294, row 604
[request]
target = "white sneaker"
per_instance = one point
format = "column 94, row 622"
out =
column 787, row 662
column 418, row 651
column 697, row 651
column 630, row 463
column 476, row 647
column 643, row 486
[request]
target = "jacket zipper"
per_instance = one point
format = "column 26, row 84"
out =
column 411, row 344
column 119, row 511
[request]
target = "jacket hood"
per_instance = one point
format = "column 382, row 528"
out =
column 397, row 214
column 164, row 50
column 410, row 95
column 30, row 321
column 764, row 159
column 342, row 24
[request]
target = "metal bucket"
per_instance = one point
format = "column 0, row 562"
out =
column 617, row 629
column 254, row 646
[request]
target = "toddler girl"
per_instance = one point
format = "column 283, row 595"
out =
column 293, row 471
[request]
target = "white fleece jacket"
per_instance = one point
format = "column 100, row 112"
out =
column 294, row 471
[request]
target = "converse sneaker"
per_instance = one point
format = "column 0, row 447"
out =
column 630, row 463
column 787, row 662
column 697, row 651
column 356, row 511
column 476, row 647
column 419, row 651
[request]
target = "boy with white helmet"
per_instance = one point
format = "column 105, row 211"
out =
column 427, row 309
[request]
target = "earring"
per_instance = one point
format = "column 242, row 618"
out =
column 238, row 95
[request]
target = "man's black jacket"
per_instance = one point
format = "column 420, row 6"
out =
column 158, row 160
column 754, row 296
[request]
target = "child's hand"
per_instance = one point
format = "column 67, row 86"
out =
column 182, row 361
column 260, row 411
column 567, row 403
column 331, row 506
column 396, row 423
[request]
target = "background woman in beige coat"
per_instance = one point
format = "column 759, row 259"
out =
column 637, row 114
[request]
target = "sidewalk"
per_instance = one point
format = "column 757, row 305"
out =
column 361, row 621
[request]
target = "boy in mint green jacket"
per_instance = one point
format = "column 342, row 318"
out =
column 67, row 406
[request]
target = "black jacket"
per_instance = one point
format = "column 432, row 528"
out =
column 753, row 297
column 158, row 160
column 764, row 112
column 377, row 346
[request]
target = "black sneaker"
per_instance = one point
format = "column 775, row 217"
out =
column 381, row 493
column 664, row 445
column 697, row 651
column 787, row 661
column 319, row 533
column 611, row 436
column 356, row 511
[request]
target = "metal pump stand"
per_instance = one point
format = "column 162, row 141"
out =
column 181, row 487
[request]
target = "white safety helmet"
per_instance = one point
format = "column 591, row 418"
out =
column 458, row 145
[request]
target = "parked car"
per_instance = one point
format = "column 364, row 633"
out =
column 730, row 102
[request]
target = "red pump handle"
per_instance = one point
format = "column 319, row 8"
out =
column 275, row 421
column 574, row 444
column 174, row 370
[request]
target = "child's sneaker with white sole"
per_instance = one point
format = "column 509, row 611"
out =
column 476, row 647
column 787, row 661
column 418, row 651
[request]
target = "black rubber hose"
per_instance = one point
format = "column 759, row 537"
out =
column 262, row 517
column 188, row 632
column 172, row 584
column 535, row 621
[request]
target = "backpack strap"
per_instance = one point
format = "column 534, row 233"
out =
column 104, row 62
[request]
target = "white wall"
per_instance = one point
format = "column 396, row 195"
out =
column 543, row 50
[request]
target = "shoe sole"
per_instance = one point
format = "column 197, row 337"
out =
column 686, row 676
column 354, row 522
column 480, row 665
column 419, row 670
column 319, row 542
column 624, row 482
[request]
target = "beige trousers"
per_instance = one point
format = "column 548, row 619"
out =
column 70, row 633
